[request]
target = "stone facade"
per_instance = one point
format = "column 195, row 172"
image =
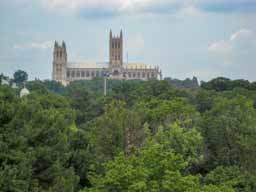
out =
column 65, row 72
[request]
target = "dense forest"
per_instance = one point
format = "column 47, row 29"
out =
column 144, row 136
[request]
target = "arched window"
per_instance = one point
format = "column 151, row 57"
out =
column 87, row 74
column 82, row 74
column 73, row 73
column 78, row 74
column 143, row 75
column 68, row 74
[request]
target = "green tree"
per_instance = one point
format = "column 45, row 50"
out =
column 87, row 104
column 108, row 132
column 35, row 144
column 229, row 129
column 20, row 77
column 164, row 112
column 158, row 166
column 233, row 176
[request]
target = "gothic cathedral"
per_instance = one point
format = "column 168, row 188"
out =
column 65, row 71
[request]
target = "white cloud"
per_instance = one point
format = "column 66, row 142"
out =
column 243, row 33
column 193, row 11
column 35, row 45
column 77, row 4
column 188, row 7
column 240, row 46
column 95, row 7
column 243, row 36
column 222, row 47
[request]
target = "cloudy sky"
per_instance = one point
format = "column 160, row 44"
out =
column 186, row 38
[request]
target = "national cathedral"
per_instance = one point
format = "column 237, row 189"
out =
column 65, row 71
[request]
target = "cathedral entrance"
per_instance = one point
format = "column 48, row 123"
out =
column 115, row 73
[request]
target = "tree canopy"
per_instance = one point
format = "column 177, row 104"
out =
column 143, row 136
column 19, row 77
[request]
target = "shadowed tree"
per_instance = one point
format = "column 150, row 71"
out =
column 20, row 77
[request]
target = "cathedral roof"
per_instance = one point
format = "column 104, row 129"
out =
column 138, row 66
column 87, row 65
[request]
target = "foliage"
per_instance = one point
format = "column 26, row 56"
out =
column 233, row 176
column 229, row 129
column 187, row 83
column 158, row 166
column 225, row 84
column 20, row 77
column 143, row 136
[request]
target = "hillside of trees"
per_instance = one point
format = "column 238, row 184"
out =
column 144, row 136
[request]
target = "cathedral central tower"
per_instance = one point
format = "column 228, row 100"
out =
column 115, row 50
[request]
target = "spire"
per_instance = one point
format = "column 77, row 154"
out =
column 64, row 45
column 110, row 34
column 55, row 44
column 121, row 33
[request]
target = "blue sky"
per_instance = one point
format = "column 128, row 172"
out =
column 186, row 38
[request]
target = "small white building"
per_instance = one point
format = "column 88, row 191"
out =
column 24, row 92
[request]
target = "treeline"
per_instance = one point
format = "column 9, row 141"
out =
column 144, row 136
column 225, row 84
column 187, row 83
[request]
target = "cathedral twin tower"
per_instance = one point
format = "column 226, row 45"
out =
column 115, row 50
column 65, row 72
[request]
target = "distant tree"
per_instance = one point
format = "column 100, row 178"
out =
column 187, row 83
column 218, row 84
column 20, row 77
column 204, row 100
column 163, row 112
column 1, row 78
column 37, row 86
column 225, row 84
column 86, row 103
column 229, row 129
column 54, row 86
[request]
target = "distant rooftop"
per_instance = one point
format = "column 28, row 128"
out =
column 91, row 65
column 87, row 65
